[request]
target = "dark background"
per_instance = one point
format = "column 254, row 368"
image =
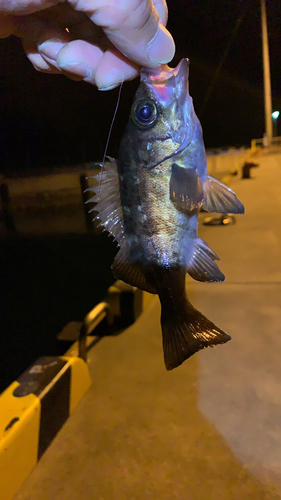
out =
column 50, row 120
column 47, row 281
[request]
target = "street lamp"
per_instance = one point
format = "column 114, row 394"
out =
column 275, row 116
column 266, row 74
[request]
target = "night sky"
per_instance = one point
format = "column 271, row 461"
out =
column 48, row 120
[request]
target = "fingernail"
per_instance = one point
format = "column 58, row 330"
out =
column 78, row 68
column 110, row 87
column 110, row 79
column 161, row 49
column 51, row 48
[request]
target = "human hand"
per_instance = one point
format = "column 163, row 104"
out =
column 102, row 42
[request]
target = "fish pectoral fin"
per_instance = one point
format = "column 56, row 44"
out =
column 201, row 266
column 186, row 188
column 131, row 272
column 220, row 198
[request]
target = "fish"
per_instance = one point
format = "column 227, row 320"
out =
column 149, row 199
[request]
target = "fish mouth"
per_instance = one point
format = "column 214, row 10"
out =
column 168, row 83
column 164, row 72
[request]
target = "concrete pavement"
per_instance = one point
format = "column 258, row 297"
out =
column 211, row 428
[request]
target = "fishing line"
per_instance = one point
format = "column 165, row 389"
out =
column 112, row 122
column 110, row 128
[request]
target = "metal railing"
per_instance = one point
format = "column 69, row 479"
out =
column 91, row 321
column 255, row 143
column 120, row 308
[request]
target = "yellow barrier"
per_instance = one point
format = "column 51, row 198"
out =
column 32, row 411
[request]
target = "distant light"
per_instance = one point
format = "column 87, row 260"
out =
column 275, row 114
column 66, row 29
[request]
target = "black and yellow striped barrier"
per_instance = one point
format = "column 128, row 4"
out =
column 35, row 407
column 32, row 411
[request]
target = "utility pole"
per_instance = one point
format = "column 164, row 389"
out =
column 266, row 75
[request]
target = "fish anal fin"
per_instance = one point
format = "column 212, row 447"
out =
column 201, row 266
column 186, row 188
column 131, row 272
column 219, row 198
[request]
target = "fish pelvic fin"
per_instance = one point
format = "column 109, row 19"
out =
column 185, row 333
column 125, row 269
column 219, row 198
column 202, row 265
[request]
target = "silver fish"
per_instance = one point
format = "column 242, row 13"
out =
column 149, row 200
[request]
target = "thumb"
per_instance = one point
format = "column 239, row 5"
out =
column 134, row 27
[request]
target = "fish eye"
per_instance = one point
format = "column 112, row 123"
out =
column 145, row 112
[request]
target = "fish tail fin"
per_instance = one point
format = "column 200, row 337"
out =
column 185, row 333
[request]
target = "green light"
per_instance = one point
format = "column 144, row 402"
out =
column 275, row 114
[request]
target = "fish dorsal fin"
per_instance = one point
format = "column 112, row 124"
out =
column 108, row 201
column 220, row 198
column 185, row 188
column 201, row 266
